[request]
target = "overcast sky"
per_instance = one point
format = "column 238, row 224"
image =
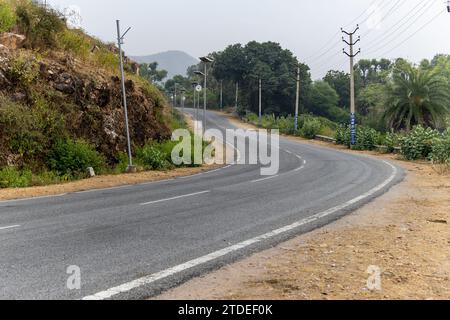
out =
column 309, row 28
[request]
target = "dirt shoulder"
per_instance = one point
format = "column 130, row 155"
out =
column 405, row 233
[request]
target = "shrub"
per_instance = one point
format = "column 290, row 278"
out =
column 391, row 141
column 74, row 41
column 28, row 132
column 7, row 17
column 311, row 128
column 106, row 58
column 24, row 70
column 39, row 24
column 10, row 177
column 152, row 158
column 366, row 138
column 440, row 151
column 73, row 157
column 418, row 144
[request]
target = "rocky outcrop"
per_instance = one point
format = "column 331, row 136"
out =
column 12, row 41
column 91, row 102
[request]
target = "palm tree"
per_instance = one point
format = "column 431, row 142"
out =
column 417, row 96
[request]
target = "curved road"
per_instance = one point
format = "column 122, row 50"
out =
column 137, row 241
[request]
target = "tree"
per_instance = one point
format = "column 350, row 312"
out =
column 151, row 73
column 416, row 96
column 324, row 102
column 274, row 65
column 340, row 81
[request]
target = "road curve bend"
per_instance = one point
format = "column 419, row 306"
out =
column 137, row 241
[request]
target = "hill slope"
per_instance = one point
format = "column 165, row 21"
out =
column 60, row 96
column 175, row 62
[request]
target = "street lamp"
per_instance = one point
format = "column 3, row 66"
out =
column 206, row 61
column 120, row 38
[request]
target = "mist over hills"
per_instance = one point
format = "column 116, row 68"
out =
column 175, row 62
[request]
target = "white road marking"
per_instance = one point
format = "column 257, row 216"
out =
column 175, row 198
column 9, row 227
column 242, row 245
column 265, row 179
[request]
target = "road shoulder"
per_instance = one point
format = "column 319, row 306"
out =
column 404, row 234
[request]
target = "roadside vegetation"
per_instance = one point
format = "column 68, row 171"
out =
column 60, row 104
column 401, row 107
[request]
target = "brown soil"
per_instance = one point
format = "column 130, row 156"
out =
column 405, row 233
column 99, row 182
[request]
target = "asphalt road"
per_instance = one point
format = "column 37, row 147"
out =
column 137, row 241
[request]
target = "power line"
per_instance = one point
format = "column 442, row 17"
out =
column 399, row 34
column 416, row 32
column 327, row 44
column 422, row 11
column 396, row 5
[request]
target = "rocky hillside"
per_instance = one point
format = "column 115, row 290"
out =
column 59, row 84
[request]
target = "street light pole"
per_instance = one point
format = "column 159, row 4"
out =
column 204, row 100
column 221, row 95
column 120, row 38
column 297, row 98
column 260, row 101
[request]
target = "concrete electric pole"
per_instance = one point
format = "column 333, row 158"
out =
column 352, row 55
column 297, row 98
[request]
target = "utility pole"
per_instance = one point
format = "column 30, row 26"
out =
column 175, row 99
column 352, row 55
column 260, row 101
column 221, row 95
column 120, row 38
column 237, row 95
column 297, row 98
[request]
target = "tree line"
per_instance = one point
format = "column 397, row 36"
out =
column 390, row 94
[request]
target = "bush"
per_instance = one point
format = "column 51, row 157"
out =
column 440, row 151
column 7, row 17
column 366, row 138
column 418, row 144
column 74, row 41
column 24, row 70
column 152, row 157
column 12, row 178
column 73, row 157
column 311, row 128
column 39, row 24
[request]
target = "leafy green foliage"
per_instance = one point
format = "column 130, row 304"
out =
column 12, row 178
column 366, row 138
column 73, row 157
column 39, row 24
column 418, row 144
column 417, row 97
column 151, row 73
column 24, row 70
column 311, row 128
column 152, row 158
column 74, row 41
column 7, row 17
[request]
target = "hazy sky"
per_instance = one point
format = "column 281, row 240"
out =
column 309, row 28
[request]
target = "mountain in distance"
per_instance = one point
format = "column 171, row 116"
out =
column 174, row 62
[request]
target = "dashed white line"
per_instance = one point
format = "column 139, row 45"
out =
column 265, row 179
column 10, row 227
column 176, row 198
column 107, row 294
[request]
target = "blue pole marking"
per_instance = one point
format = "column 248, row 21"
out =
column 353, row 129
